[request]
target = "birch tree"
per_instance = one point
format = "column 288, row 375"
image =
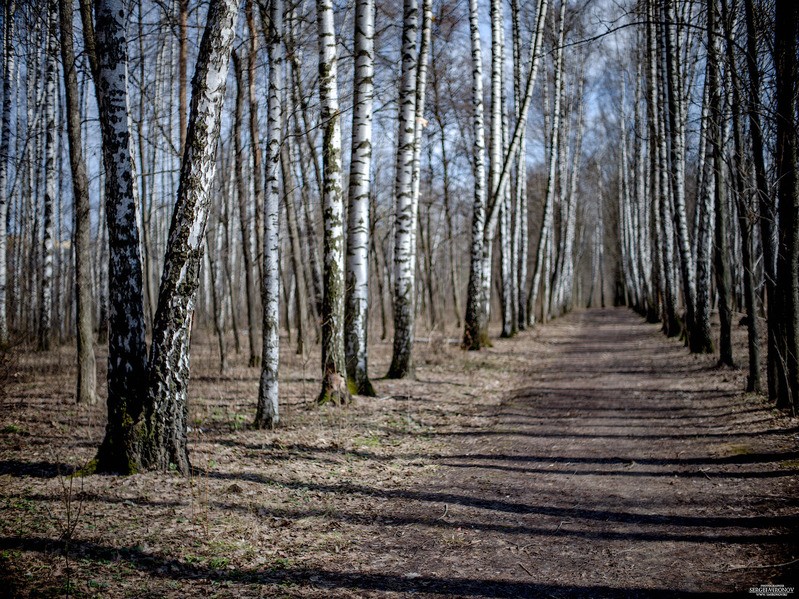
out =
column 5, row 157
column 166, row 411
column 358, row 226
column 334, row 375
column 473, row 327
column 127, row 354
column 50, row 179
column 405, row 218
column 267, row 413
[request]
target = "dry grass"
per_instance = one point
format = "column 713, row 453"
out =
column 258, row 503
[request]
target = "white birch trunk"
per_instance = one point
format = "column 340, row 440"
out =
column 677, row 115
column 166, row 410
column 419, row 121
column 358, row 226
column 5, row 158
column 547, row 233
column 472, row 335
column 334, row 381
column 520, row 192
column 405, row 219
column 127, row 355
column 267, row 413
column 50, row 180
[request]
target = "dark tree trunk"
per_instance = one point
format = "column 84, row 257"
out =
column 787, row 81
column 127, row 352
column 721, row 254
column 87, row 372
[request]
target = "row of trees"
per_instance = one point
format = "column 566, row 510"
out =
column 719, row 65
column 584, row 179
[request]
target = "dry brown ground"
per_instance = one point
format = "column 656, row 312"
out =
column 589, row 458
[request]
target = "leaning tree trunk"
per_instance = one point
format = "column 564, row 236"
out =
column 267, row 413
column 127, row 352
column 5, row 158
column 334, row 374
column 357, row 295
column 520, row 225
column 404, row 262
column 166, row 411
column 546, row 238
column 472, row 338
column 87, row 372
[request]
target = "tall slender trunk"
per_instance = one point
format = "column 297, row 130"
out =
column 520, row 224
column 334, row 374
column 300, row 302
column 767, row 209
column 87, row 372
column 50, row 180
column 787, row 82
column 672, row 324
column 405, row 218
column 698, row 340
column 472, row 335
column 747, row 212
column 212, row 254
column 267, row 412
column 255, row 145
column 545, row 241
column 704, row 229
column 245, row 202
column 5, row 158
column 358, row 228
column 715, row 133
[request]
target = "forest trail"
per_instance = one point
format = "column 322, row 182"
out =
column 590, row 457
column 624, row 468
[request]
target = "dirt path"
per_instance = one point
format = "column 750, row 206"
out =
column 625, row 468
column 588, row 458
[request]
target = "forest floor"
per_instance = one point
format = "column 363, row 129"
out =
column 590, row 457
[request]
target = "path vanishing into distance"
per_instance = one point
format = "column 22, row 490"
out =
column 625, row 467
column 590, row 457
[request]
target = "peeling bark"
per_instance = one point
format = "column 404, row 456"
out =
column 165, row 420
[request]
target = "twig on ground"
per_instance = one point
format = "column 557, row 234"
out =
column 446, row 511
column 763, row 567
column 521, row 565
